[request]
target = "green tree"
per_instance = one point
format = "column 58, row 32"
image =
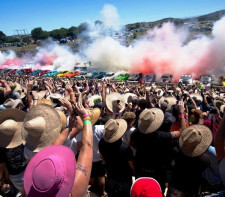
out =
column 39, row 34
column 58, row 33
column 72, row 32
column 2, row 37
column 10, row 39
column 26, row 39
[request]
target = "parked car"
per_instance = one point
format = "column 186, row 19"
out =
column 135, row 77
column 27, row 71
column 186, row 80
column 122, row 77
column 51, row 73
column 109, row 76
column 73, row 73
column 62, row 73
column 12, row 72
column 167, row 78
column 206, row 80
column 149, row 78
column 82, row 75
column 44, row 72
column 35, row 73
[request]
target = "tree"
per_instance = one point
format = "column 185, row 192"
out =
column 82, row 27
column 2, row 37
column 39, row 34
column 72, row 32
column 26, row 39
column 10, row 39
column 58, row 33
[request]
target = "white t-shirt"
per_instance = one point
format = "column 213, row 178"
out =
column 72, row 144
column 97, row 136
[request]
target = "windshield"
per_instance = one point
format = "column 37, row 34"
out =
column 205, row 78
column 186, row 77
column 166, row 76
column 109, row 74
column 149, row 76
column 135, row 75
column 95, row 73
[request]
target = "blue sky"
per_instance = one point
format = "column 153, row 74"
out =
column 52, row 14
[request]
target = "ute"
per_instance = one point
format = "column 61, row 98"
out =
column 135, row 77
column 167, row 78
column 186, row 80
column 51, row 73
column 149, row 78
column 206, row 80
column 63, row 73
column 73, row 73
column 35, row 73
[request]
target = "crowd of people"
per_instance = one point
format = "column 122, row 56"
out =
column 64, row 137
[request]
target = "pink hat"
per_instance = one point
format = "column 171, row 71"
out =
column 145, row 187
column 51, row 172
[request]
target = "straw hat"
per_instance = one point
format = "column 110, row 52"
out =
column 112, row 100
column 195, row 140
column 129, row 97
column 51, row 172
column 145, row 186
column 11, row 121
column 94, row 100
column 41, row 94
column 170, row 100
column 222, row 107
column 42, row 125
column 114, row 130
column 150, row 120
column 55, row 98
column 159, row 92
column 94, row 114
column 11, row 103
column 197, row 96
column 45, row 101
column 63, row 119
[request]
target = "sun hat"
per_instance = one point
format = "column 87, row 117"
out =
column 42, row 125
column 222, row 108
column 129, row 116
column 150, row 120
column 114, row 130
column 94, row 100
column 195, row 140
column 145, row 187
column 12, row 103
column 63, row 119
column 11, row 121
column 159, row 92
column 129, row 97
column 94, row 114
column 45, row 101
column 112, row 100
column 55, row 97
column 51, row 172
column 41, row 94
column 197, row 96
column 170, row 100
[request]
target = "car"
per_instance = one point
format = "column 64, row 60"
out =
column 149, row 77
column 82, row 75
column 98, row 75
column 206, row 80
column 186, row 80
column 73, row 73
column 35, row 73
column 122, row 77
column 19, row 72
column 109, row 76
column 62, row 73
column 12, row 72
column 51, row 73
column 27, row 71
column 135, row 77
column 44, row 72
column 167, row 78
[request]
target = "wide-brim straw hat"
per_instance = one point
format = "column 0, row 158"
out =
column 114, row 130
column 95, row 114
column 12, row 103
column 129, row 97
column 41, row 94
column 150, row 120
column 111, row 101
column 197, row 96
column 159, row 92
column 170, row 100
column 195, row 140
column 42, row 125
column 45, row 101
column 63, row 119
column 51, row 172
column 11, row 121
column 94, row 100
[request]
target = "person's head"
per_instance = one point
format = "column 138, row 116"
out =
column 51, row 172
column 130, row 118
column 142, row 104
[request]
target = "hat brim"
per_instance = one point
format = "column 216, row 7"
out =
column 171, row 101
column 69, row 162
column 128, row 95
column 52, row 129
column 95, row 114
column 113, row 97
column 159, row 117
column 202, row 146
column 199, row 97
column 121, row 130
column 12, row 141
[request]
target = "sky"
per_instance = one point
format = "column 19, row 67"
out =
column 54, row 14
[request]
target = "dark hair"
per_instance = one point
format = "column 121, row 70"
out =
column 142, row 104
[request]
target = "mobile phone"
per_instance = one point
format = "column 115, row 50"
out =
column 30, row 93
